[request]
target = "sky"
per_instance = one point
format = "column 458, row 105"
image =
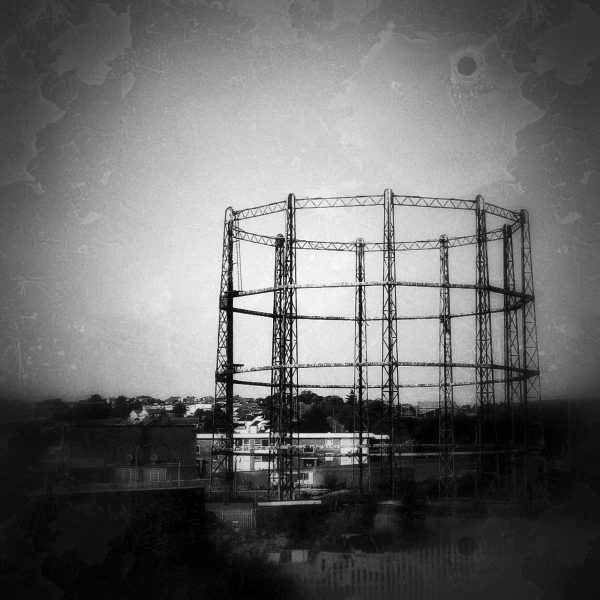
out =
column 128, row 128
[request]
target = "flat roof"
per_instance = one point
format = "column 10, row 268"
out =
column 264, row 435
column 289, row 503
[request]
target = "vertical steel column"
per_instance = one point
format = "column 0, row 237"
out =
column 289, row 383
column 222, row 465
column 277, row 427
column 512, row 349
column 360, row 353
column 531, row 387
column 389, row 380
column 447, row 486
column 484, row 394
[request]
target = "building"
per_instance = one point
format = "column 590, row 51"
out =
column 192, row 408
column 137, row 452
column 318, row 452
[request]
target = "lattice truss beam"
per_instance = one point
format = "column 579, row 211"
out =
column 484, row 372
column 361, row 383
column 464, row 240
column 290, row 371
column 222, row 463
column 389, row 338
column 277, row 404
column 284, row 453
column 512, row 352
column 531, row 389
column 374, row 200
column 447, row 485
column 483, row 342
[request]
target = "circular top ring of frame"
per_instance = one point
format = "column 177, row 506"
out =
column 514, row 220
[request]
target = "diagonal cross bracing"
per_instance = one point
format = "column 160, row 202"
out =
column 447, row 485
column 531, row 388
column 513, row 396
column 221, row 473
column 484, row 390
column 288, row 384
column 277, row 404
column 465, row 240
column 389, row 349
column 360, row 355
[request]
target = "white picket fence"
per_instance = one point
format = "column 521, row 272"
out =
column 439, row 572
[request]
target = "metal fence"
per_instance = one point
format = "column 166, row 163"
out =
column 235, row 519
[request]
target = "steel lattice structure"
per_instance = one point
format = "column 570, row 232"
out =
column 389, row 335
column 446, row 416
column 360, row 356
column 222, row 475
column 516, row 372
column 278, row 426
column 485, row 396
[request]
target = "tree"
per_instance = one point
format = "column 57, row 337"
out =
column 377, row 417
column 91, row 410
column 314, row 420
column 215, row 420
column 179, row 409
column 344, row 414
column 121, row 408
column 309, row 397
column 332, row 401
column 95, row 398
column 53, row 404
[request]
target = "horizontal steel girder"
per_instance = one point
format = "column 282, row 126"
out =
column 375, row 200
column 398, row 363
column 349, row 386
column 465, row 240
column 344, row 284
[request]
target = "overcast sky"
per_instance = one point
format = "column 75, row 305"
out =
column 129, row 127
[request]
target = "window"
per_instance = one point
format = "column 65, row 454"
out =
column 264, row 443
column 156, row 475
column 126, row 475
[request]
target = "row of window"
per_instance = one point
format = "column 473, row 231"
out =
column 307, row 447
